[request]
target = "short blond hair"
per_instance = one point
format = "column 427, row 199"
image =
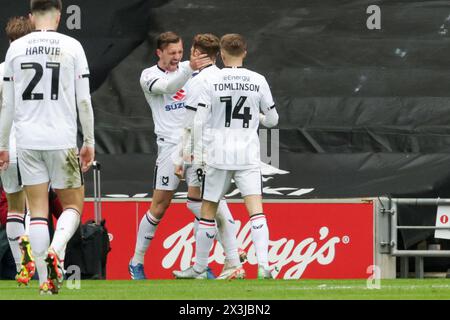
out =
column 234, row 44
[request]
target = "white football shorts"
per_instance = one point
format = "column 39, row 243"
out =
column 60, row 167
column 164, row 177
column 10, row 179
column 194, row 175
column 216, row 182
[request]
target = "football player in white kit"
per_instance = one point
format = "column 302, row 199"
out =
column 231, row 106
column 227, row 230
column 162, row 85
column 16, row 232
column 46, row 81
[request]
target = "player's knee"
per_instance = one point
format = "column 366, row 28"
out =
column 194, row 207
column 16, row 202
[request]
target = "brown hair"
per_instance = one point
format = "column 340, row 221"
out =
column 234, row 44
column 166, row 38
column 18, row 27
column 207, row 43
column 45, row 5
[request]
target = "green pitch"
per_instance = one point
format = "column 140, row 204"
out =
column 237, row 290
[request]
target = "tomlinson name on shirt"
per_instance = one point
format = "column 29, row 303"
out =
column 236, row 86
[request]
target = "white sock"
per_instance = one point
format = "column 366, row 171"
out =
column 195, row 206
column 260, row 237
column 146, row 232
column 27, row 224
column 14, row 230
column 67, row 225
column 227, row 234
column 61, row 257
column 39, row 241
column 196, row 222
column 204, row 240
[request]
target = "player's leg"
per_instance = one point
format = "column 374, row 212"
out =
column 72, row 201
column 215, row 184
column 39, row 235
column 249, row 183
column 147, row 228
column 18, row 224
column 227, row 231
column 165, row 182
column 194, row 204
column 194, row 177
column 67, row 182
column 55, row 211
column 35, row 178
column 15, row 225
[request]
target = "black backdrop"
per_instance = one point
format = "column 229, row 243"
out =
column 363, row 112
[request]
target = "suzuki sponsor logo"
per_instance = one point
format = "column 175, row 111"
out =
column 289, row 258
column 180, row 95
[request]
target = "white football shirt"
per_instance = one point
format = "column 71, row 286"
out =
column 12, row 135
column 194, row 90
column 234, row 98
column 44, row 66
column 168, row 109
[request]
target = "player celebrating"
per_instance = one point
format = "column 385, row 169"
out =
column 46, row 81
column 233, row 101
column 16, row 28
column 209, row 44
column 162, row 86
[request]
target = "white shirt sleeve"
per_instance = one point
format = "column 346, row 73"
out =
column 193, row 90
column 269, row 118
column 1, row 83
column 199, row 126
column 7, row 107
column 267, row 102
column 84, row 104
column 156, row 84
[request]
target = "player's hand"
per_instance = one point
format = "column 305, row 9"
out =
column 4, row 160
column 87, row 155
column 199, row 61
column 179, row 171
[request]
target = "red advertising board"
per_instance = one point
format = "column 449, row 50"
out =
column 307, row 240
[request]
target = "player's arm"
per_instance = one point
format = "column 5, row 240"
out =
column 162, row 85
column 269, row 116
column 199, row 125
column 193, row 93
column 270, row 119
column 183, row 155
column 1, row 88
column 7, row 112
column 85, row 111
column 184, row 151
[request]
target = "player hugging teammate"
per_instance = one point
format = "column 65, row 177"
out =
column 189, row 87
column 228, row 113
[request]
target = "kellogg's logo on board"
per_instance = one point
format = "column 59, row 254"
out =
column 288, row 258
